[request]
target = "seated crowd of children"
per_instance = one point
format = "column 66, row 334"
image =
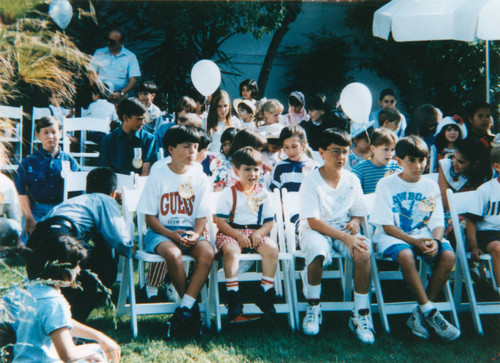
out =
column 244, row 158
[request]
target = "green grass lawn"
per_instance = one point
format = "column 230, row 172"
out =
column 264, row 341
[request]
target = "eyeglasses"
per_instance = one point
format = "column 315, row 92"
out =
column 337, row 152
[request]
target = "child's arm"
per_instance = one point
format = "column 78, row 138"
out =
column 108, row 345
column 69, row 352
column 176, row 236
column 256, row 237
column 470, row 231
column 353, row 225
column 30, row 222
column 226, row 229
column 193, row 236
column 146, row 167
column 353, row 242
column 426, row 245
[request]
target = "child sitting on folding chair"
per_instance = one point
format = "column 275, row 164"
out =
column 483, row 226
column 332, row 208
column 244, row 219
column 410, row 222
column 176, row 208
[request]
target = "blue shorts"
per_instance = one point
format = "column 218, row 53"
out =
column 153, row 239
column 393, row 251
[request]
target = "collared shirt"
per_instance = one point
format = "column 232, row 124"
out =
column 117, row 150
column 154, row 119
column 117, row 69
column 96, row 213
column 39, row 176
column 101, row 109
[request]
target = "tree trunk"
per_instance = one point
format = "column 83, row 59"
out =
column 292, row 13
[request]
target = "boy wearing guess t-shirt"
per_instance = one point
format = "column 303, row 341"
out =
column 176, row 208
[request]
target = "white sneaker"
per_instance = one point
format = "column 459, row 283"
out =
column 171, row 293
column 303, row 276
column 312, row 320
column 417, row 324
column 441, row 326
column 362, row 325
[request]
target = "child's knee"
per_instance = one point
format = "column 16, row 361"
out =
column 231, row 251
column 361, row 257
column 494, row 250
column 448, row 257
column 269, row 250
column 172, row 255
column 406, row 258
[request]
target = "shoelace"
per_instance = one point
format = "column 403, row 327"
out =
column 439, row 320
column 310, row 315
column 365, row 322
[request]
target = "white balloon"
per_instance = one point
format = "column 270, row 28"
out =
column 206, row 77
column 61, row 12
column 356, row 102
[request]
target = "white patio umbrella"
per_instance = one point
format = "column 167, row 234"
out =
column 422, row 20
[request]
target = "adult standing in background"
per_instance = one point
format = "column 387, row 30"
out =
column 117, row 66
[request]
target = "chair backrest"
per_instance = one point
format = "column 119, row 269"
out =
column 86, row 124
column 432, row 176
column 74, row 181
column 433, row 159
column 125, row 181
column 12, row 112
column 130, row 201
column 460, row 203
column 291, row 207
column 140, row 182
column 14, row 136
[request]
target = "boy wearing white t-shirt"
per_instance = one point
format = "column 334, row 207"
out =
column 176, row 208
column 244, row 219
column 410, row 222
column 331, row 210
column 483, row 228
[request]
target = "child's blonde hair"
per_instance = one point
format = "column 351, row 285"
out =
column 269, row 106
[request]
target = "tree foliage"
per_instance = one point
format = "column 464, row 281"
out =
column 448, row 74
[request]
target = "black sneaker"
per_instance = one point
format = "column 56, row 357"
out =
column 184, row 323
column 265, row 301
column 234, row 305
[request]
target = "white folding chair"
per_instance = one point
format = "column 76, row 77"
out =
column 402, row 307
column 282, row 282
column 130, row 200
column 344, row 271
column 12, row 137
column 37, row 113
column 460, row 203
column 433, row 160
column 432, row 176
column 83, row 124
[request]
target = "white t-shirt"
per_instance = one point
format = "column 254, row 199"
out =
column 9, row 200
column 167, row 160
column 335, row 206
column 456, row 183
column 487, row 205
column 101, row 109
column 243, row 215
column 415, row 208
column 161, row 197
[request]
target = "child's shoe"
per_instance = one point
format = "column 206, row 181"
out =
column 184, row 323
column 417, row 324
column 265, row 301
column 234, row 305
column 361, row 324
column 441, row 326
column 312, row 320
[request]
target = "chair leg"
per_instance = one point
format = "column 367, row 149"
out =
column 133, row 313
column 378, row 292
column 449, row 298
column 349, row 273
column 124, row 287
column 469, row 288
column 293, row 285
column 288, row 295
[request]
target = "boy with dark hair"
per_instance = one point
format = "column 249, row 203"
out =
column 176, row 208
column 387, row 99
column 93, row 216
column 389, row 118
column 410, row 222
column 147, row 93
column 129, row 148
column 483, row 225
column 332, row 207
column 319, row 120
column 381, row 164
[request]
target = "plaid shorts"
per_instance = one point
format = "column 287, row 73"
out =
column 221, row 239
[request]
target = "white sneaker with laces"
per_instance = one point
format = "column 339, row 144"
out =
column 441, row 326
column 312, row 320
column 417, row 324
column 362, row 325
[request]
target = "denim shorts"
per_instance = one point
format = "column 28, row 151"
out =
column 393, row 251
column 153, row 239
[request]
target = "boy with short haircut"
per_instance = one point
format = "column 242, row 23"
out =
column 387, row 99
column 483, row 225
column 176, row 208
column 147, row 93
column 410, row 222
column 390, row 119
column 129, row 148
column 381, row 164
column 244, row 219
column 331, row 211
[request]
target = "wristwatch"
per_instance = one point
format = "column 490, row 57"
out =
column 121, row 93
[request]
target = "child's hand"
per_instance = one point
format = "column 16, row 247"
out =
column 430, row 247
column 192, row 238
column 110, row 348
column 29, row 227
column 476, row 253
column 244, row 241
column 181, row 237
column 352, row 226
column 357, row 243
column 256, row 239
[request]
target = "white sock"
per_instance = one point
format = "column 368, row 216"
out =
column 361, row 301
column 232, row 284
column 426, row 308
column 267, row 283
column 314, row 292
column 187, row 301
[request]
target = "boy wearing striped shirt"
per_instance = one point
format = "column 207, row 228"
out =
column 381, row 164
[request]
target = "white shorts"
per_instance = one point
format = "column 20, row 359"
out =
column 315, row 244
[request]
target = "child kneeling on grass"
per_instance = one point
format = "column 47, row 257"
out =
column 410, row 223
column 483, row 228
column 44, row 327
column 244, row 219
column 331, row 210
column 176, row 208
